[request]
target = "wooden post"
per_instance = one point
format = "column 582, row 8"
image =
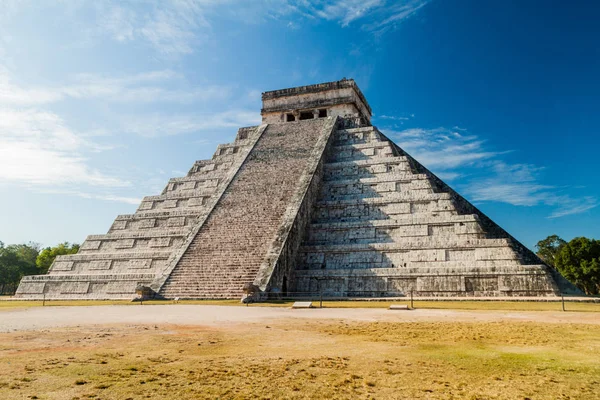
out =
column 563, row 301
column 44, row 300
column 411, row 298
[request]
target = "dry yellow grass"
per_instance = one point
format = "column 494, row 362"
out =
column 305, row 359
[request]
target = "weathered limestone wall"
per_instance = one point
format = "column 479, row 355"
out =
column 230, row 247
column 383, row 227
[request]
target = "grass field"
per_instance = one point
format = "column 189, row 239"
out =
column 456, row 305
column 304, row 359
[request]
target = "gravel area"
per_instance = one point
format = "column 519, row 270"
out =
column 36, row 318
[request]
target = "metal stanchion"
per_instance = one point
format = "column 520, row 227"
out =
column 320, row 297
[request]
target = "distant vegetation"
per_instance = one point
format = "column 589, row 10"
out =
column 18, row 260
column 577, row 260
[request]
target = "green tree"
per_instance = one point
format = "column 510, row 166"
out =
column 15, row 262
column 47, row 256
column 548, row 248
column 579, row 262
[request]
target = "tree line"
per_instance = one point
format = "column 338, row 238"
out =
column 578, row 260
column 18, row 260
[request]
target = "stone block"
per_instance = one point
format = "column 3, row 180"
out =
column 169, row 204
column 195, row 202
column 31, row 287
column 62, row 266
column 124, row 244
column 69, row 287
column 461, row 255
column 190, row 185
column 91, row 245
column 119, row 225
column 160, row 242
column 176, row 221
column 146, row 205
column 99, row 265
column 302, row 304
column 146, row 223
column 139, row 264
column 402, row 284
column 440, row 284
column 481, row 284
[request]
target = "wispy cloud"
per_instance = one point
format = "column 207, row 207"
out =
column 175, row 28
column 393, row 15
column 89, row 195
column 377, row 16
column 38, row 149
column 346, row 11
column 145, row 87
column 161, row 124
column 571, row 206
column 442, row 149
column 485, row 176
column 171, row 27
column 393, row 118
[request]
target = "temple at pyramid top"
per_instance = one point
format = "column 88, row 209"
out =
column 314, row 201
column 332, row 99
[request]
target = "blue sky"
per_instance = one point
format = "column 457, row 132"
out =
column 102, row 102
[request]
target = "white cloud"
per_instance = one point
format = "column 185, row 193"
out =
column 177, row 27
column 454, row 153
column 171, row 27
column 394, row 15
column 160, row 124
column 89, row 195
column 571, row 206
column 145, row 87
column 393, row 118
column 38, row 149
column 441, row 149
column 346, row 11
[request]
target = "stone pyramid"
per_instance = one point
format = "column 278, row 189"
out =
column 315, row 199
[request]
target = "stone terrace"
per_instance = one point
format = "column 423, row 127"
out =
column 380, row 229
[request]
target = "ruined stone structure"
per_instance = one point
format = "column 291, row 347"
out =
column 314, row 199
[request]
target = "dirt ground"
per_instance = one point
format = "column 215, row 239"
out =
column 52, row 317
column 218, row 352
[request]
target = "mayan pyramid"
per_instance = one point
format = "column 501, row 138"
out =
column 315, row 199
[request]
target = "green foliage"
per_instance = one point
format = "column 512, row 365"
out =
column 579, row 262
column 46, row 257
column 548, row 248
column 16, row 261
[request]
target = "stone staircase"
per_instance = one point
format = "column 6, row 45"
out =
column 233, row 243
column 381, row 227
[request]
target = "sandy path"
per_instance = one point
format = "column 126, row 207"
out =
column 51, row 317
